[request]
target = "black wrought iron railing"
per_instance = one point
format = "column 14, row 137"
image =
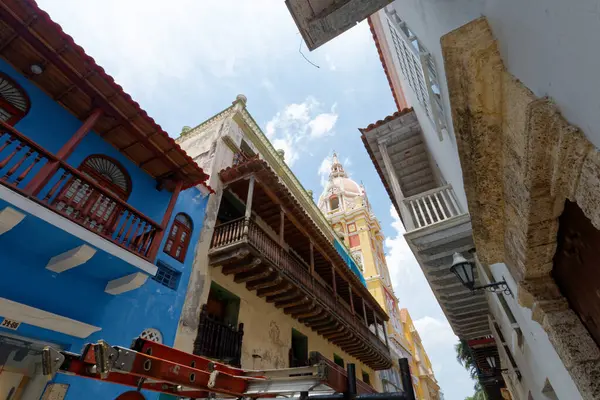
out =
column 219, row 340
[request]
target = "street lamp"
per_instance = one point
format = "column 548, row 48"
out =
column 491, row 360
column 465, row 272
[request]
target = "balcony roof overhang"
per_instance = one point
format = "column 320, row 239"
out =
column 433, row 247
column 490, row 378
column 368, row 137
column 72, row 78
column 278, row 193
column 319, row 21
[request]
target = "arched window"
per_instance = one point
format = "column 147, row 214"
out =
column 179, row 237
column 14, row 102
column 334, row 203
column 77, row 196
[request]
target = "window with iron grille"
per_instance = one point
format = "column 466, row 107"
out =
column 167, row 276
column 418, row 68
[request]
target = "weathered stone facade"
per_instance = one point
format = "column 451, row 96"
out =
column 521, row 161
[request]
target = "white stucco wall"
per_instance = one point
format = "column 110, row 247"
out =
column 536, row 358
column 443, row 153
column 550, row 45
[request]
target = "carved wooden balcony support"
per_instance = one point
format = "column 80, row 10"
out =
column 280, row 288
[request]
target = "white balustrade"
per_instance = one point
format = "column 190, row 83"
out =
column 432, row 206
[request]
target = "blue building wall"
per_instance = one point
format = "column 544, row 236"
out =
column 79, row 293
column 51, row 126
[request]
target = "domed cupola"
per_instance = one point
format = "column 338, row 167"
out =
column 340, row 192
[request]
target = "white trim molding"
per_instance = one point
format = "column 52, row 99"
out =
column 44, row 319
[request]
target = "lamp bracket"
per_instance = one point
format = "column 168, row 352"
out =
column 495, row 287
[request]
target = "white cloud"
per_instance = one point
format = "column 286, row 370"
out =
column 142, row 41
column 330, row 64
column 297, row 124
column 324, row 170
column 287, row 146
column 435, row 332
column 400, row 259
column 347, row 164
column 323, row 124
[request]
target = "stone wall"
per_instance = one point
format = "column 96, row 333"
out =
column 521, row 161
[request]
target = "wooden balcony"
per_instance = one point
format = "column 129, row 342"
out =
column 74, row 195
column 246, row 250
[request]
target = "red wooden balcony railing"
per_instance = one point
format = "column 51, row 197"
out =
column 74, row 195
column 232, row 232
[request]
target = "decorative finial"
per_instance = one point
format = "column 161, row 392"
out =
column 281, row 153
column 240, row 98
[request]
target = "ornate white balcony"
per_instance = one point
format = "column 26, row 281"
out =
column 431, row 207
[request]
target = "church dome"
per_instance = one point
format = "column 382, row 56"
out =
column 340, row 190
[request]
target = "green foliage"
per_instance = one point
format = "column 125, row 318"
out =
column 465, row 358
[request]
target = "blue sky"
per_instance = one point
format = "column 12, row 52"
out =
column 185, row 60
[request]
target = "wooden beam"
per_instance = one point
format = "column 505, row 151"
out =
column 351, row 300
column 49, row 169
column 271, row 291
column 303, row 307
column 334, row 282
column 249, row 198
column 156, row 242
column 333, row 336
column 354, row 343
column 365, row 312
column 291, row 302
column 241, row 266
column 337, row 328
column 385, row 333
column 318, row 322
column 252, row 275
column 317, row 315
column 281, row 225
column 291, row 294
column 263, row 283
column 348, row 344
column 376, row 324
column 312, row 259
column 323, row 324
column 314, row 311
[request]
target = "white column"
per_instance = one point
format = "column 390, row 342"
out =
column 387, row 162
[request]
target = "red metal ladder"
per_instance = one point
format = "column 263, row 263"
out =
column 152, row 366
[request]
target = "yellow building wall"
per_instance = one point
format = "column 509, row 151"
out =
column 418, row 351
column 268, row 333
column 371, row 247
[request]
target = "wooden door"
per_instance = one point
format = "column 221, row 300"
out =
column 577, row 266
column 215, row 307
